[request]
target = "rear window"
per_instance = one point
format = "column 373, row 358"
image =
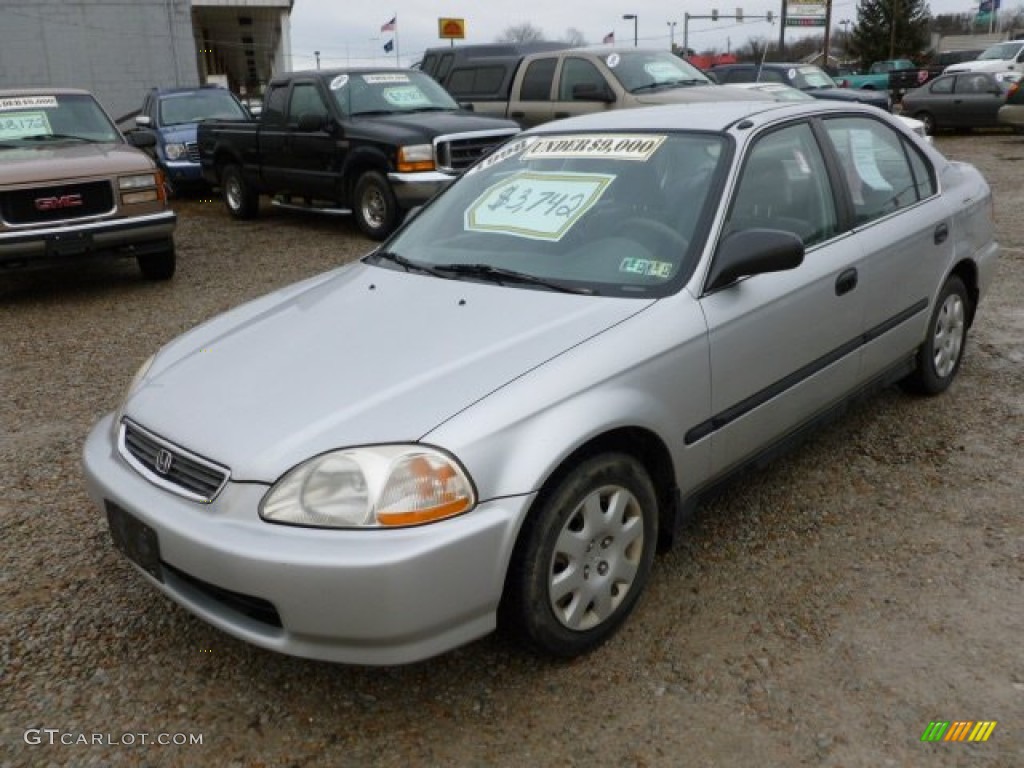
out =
column 477, row 81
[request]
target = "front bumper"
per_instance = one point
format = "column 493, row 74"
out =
column 412, row 189
column 360, row 597
column 183, row 172
column 131, row 236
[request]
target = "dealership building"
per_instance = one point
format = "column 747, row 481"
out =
column 119, row 49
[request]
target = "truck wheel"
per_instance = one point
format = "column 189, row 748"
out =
column 241, row 200
column 159, row 265
column 375, row 206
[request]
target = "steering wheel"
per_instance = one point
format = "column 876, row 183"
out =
column 656, row 236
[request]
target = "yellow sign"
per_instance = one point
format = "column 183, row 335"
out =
column 451, row 29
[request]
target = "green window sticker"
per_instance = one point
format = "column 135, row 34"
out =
column 536, row 205
column 17, row 125
column 405, row 96
column 646, row 267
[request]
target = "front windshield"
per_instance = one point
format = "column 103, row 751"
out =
column 608, row 214
column 650, row 70
column 1000, row 51
column 388, row 92
column 813, row 77
column 64, row 117
column 196, row 106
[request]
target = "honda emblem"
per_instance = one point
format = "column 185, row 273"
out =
column 164, row 459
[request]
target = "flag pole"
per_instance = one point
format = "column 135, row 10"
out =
column 398, row 62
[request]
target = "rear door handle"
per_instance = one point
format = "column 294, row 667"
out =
column 516, row 115
column 941, row 233
column 846, row 281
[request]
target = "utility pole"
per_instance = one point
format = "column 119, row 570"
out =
column 672, row 35
column 317, row 54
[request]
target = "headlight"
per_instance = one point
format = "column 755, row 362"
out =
column 417, row 157
column 375, row 487
column 138, row 181
column 137, row 379
column 174, row 151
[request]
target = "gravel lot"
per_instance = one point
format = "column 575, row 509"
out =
column 822, row 612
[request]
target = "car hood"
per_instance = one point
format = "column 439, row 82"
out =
column 422, row 127
column 179, row 134
column 366, row 355
column 848, row 94
column 699, row 93
column 71, row 160
column 986, row 65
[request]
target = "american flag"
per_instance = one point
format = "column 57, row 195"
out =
column 609, row 38
column 390, row 26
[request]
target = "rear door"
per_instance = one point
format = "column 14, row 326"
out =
column 976, row 100
column 532, row 101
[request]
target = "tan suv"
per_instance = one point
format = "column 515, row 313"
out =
column 72, row 187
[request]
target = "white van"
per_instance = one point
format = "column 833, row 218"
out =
column 1000, row 57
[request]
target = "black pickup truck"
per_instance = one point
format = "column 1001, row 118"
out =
column 373, row 142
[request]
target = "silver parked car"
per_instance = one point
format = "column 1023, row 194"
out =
column 496, row 416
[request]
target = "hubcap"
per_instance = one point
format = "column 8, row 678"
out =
column 374, row 207
column 596, row 558
column 949, row 336
column 233, row 191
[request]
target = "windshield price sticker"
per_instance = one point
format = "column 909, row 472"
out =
column 19, row 125
column 396, row 77
column 537, row 206
column 23, row 102
column 339, row 82
column 405, row 96
column 613, row 146
column 502, row 154
column 662, row 70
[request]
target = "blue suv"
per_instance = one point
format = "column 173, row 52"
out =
column 173, row 114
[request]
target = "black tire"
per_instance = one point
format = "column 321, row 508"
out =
column 241, row 200
column 929, row 121
column 159, row 265
column 939, row 357
column 375, row 206
column 583, row 557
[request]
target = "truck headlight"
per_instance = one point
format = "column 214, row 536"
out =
column 416, row 157
column 174, row 151
column 138, row 181
column 381, row 486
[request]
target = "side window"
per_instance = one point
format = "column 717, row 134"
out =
column 444, row 66
column 784, row 185
column 306, row 100
column 973, row 84
column 429, row 64
column 772, row 76
column 575, row 72
column 877, row 166
column 537, row 80
column 274, row 106
column 476, row 81
column 943, row 85
column 739, row 76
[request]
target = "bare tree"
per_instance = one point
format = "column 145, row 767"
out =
column 521, row 33
column 574, row 38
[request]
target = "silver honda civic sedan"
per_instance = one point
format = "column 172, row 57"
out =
column 496, row 417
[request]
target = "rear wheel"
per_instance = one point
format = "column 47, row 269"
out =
column 929, row 121
column 583, row 557
column 241, row 200
column 376, row 208
column 159, row 265
column 938, row 359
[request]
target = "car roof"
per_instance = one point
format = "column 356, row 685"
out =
column 30, row 91
column 698, row 116
column 171, row 91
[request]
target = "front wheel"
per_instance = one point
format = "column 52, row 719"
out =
column 929, row 122
column 159, row 265
column 241, row 200
column 938, row 359
column 376, row 208
column 583, row 557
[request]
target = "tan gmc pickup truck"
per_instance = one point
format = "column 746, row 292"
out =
column 72, row 187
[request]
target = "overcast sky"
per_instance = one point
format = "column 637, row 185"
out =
column 344, row 35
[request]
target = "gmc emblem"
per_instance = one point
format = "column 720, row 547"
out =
column 58, row 202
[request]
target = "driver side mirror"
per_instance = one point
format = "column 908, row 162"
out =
column 754, row 252
column 592, row 92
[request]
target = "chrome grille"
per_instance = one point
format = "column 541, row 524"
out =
column 51, row 204
column 170, row 466
column 192, row 151
column 458, row 151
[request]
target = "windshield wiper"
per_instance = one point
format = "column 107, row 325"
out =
column 58, row 137
column 501, row 276
column 407, row 264
column 366, row 112
column 431, row 109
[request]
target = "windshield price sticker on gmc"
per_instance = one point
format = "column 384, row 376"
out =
column 17, row 126
column 405, row 96
column 21, row 102
column 609, row 146
column 385, row 78
column 663, row 70
column 537, row 206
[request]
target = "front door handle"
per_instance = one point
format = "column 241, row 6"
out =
column 941, row 233
column 846, row 281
